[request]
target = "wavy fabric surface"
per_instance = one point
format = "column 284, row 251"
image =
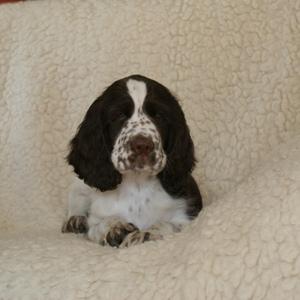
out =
column 234, row 65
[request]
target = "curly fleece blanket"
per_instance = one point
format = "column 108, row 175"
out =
column 235, row 67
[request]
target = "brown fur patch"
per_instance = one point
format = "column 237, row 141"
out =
column 75, row 224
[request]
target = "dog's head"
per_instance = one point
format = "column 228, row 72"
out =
column 136, row 125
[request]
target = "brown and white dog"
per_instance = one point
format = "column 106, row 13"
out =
column 134, row 155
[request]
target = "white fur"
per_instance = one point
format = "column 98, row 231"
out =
column 140, row 200
column 138, row 91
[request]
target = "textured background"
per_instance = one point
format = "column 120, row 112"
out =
column 234, row 65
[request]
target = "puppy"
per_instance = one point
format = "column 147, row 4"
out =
column 133, row 155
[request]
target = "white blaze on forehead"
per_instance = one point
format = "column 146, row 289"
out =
column 138, row 91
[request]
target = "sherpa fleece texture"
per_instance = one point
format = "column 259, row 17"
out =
column 234, row 65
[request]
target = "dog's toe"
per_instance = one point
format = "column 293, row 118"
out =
column 118, row 233
column 76, row 224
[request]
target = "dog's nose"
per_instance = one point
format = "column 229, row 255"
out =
column 141, row 145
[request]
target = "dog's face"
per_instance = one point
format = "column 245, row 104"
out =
column 136, row 125
column 138, row 146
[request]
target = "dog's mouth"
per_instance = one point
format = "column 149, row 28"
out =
column 142, row 161
column 151, row 163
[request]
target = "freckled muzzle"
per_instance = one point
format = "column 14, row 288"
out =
column 139, row 148
column 142, row 151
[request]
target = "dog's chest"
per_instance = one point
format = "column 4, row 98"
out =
column 140, row 201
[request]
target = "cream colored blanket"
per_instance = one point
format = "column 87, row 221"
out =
column 235, row 65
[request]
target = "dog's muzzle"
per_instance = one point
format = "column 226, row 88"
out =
column 142, row 152
column 139, row 149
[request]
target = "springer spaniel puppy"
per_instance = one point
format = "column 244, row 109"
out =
column 134, row 155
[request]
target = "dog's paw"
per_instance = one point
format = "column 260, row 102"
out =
column 139, row 237
column 76, row 224
column 118, row 232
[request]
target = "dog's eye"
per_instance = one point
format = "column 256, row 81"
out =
column 118, row 116
column 159, row 116
column 156, row 113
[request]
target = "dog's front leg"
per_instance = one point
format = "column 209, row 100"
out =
column 153, row 233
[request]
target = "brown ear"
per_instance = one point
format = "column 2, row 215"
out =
column 90, row 152
column 180, row 159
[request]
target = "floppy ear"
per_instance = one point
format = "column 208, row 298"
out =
column 180, row 159
column 90, row 151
